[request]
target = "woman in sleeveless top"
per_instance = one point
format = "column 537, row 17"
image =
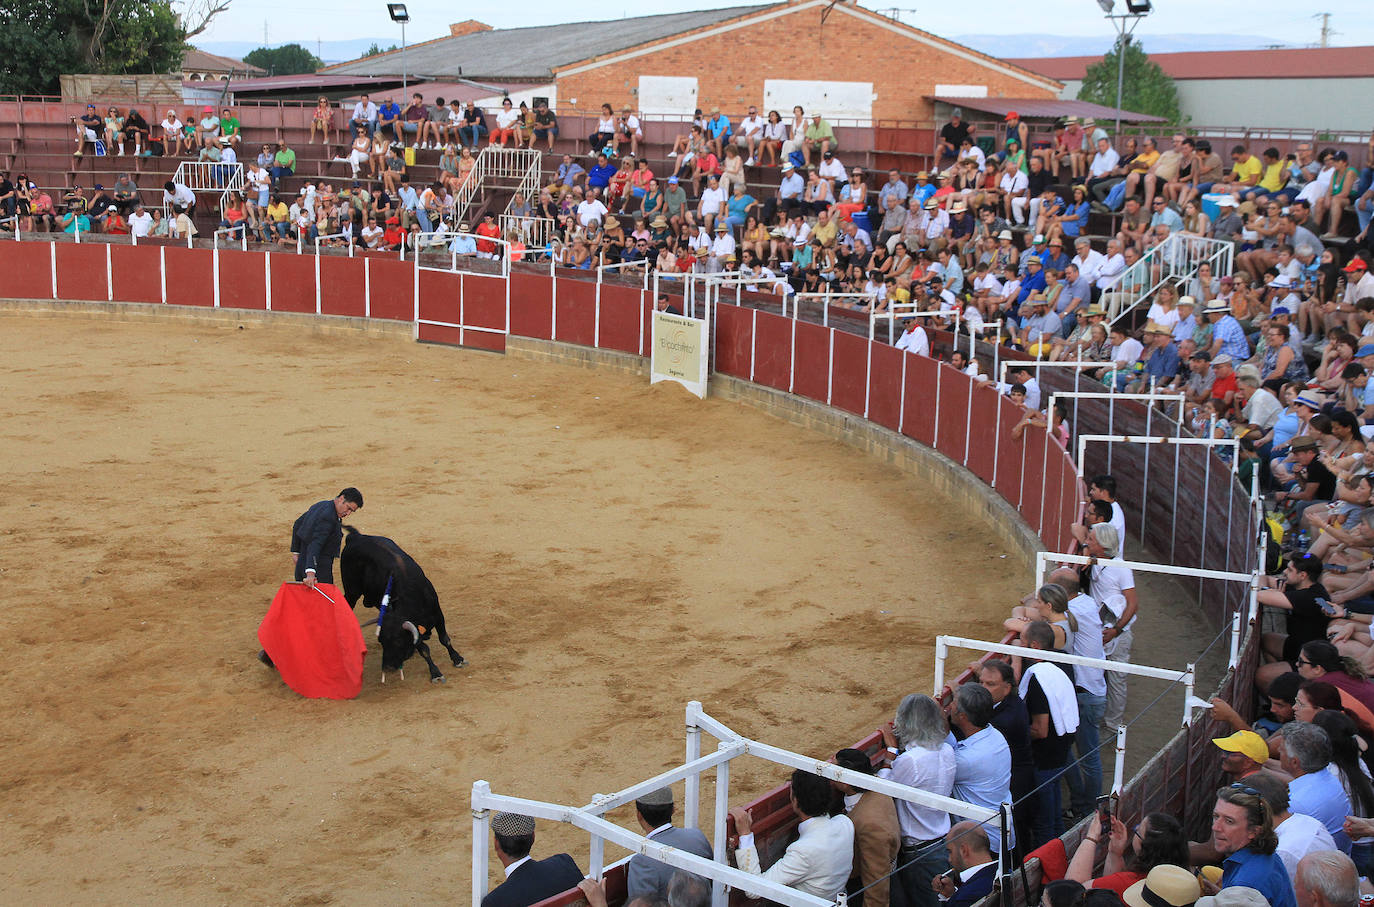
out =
column 1050, row 603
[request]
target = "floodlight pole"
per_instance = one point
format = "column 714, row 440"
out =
column 404, row 84
column 1125, row 26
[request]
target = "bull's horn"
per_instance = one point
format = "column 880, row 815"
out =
column 413, row 632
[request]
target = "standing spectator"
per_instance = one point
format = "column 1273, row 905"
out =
column 926, row 761
column 1243, row 834
column 877, row 835
column 178, row 194
column 646, row 877
column 1305, row 755
column 819, row 861
column 1011, row 721
column 982, row 758
column 1090, row 690
column 1113, row 588
column 528, row 881
column 1053, row 709
column 953, row 134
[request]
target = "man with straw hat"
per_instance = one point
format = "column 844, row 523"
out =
column 528, row 881
column 1161, row 357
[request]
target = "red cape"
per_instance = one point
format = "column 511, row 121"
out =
column 316, row 644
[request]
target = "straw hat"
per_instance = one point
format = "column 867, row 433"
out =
column 1165, row 886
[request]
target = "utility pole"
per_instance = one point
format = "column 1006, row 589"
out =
column 264, row 34
column 1326, row 28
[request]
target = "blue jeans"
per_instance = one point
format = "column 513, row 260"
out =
column 919, row 867
column 1048, row 824
column 279, row 172
column 1085, row 777
column 471, row 135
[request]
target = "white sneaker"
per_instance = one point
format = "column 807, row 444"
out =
column 672, row 154
column 749, row 163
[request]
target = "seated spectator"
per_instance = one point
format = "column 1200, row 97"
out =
column 926, row 761
column 1158, row 841
column 1326, row 878
column 877, row 835
column 1297, row 592
column 507, row 129
column 820, row 860
column 1243, row 836
column 1170, row 885
column 1246, row 752
column 545, row 127
column 283, row 162
column 1053, row 710
column 75, row 220
column 646, row 877
column 972, row 863
column 528, row 881
column 819, row 137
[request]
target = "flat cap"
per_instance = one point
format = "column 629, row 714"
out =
column 661, row 797
column 512, row 825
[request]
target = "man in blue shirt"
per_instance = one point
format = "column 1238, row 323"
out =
column 463, row 243
column 1161, row 213
column 568, row 172
column 1162, row 361
column 388, row 115
column 1314, row 791
column 410, row 204
column 600, row 174
column 1243, row 833
column 1036, row 251
column 982, row 759
column 895, row 186
column 1034, row 279
column 1227, row 335
column 717, row 131
column 923, row 190
column 1074, row 299
column 1055, row 257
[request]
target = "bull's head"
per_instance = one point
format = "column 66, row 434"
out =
column 398, row 643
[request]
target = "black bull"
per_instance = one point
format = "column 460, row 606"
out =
column 367, row 563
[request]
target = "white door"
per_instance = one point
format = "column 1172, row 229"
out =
column 851, row 102
column 673, row 96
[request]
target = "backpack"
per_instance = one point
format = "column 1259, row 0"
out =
column 797, row 158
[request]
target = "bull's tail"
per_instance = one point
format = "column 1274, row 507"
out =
column 351, row 530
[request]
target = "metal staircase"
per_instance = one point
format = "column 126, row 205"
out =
column 209, row 176
column 1175, row 260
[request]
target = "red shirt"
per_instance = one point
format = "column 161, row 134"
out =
column 1223, row 386
column 487, row 229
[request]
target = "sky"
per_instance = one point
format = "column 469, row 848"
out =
column 307, row 21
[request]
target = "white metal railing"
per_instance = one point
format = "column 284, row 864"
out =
column 591, row 818
column 1175, row 260
column 497, row 162
column 533, row 231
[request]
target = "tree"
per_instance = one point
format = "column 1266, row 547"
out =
column 287, row 60
column 41, row 40
column 373, row 50
column 1145, row 87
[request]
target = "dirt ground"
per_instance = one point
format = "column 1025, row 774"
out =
column 605, row 551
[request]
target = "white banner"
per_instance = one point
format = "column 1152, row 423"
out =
column 679, row 351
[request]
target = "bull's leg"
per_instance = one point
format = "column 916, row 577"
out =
column 434, row 675
column 439, row 628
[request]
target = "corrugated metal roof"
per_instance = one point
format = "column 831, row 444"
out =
column 1284, row 63
column 532, row 53
column 1043, row 109
column 197, row 60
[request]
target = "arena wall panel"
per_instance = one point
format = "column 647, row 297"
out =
column 484, row 302
column 392, row 289
column 885, row 386
column 772, row 351
column 293, row 283
column 918, row 410
column 734, row 330
column 190, row 276
column 849, row 381
column 531, row 305
column 136, row 273
column 989, row 411
column 440, row 297
column 811, row 362
column 242, row 280
column 954, row 399
column 619, row 319
column 27, row 267
column 81, row 271
column 576, row 312
column 343, row 287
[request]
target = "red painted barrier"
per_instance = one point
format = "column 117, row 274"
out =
column 81, row 272
column 620, row 319
column 392, row 287
column 849, row 384
column 484, row 302
column 27, row 267
column 343, row 289
column 136, row 273
column 954, row 399
column 734, row 336
column 811, row 366
column 190, row 276
column 293, row 283
column 243, row 280
column 576, row 310
column 440, row 298
column 982, row 430
column 885, row 386
column 531, row 305
column 772, row 351
column 918, row 411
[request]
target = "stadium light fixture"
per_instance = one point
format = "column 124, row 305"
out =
column 397, row 12
column 1125, row 24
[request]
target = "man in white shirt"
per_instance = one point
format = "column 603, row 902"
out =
column 365, row 114
column 1024, row 376
column 1090, row 688
column 1104, row 161
column 723, row 245
column 914, row 339
column 712, row 203
column 1113, row 589
column 1259, row 406
column 819, row 861
column 1013, row 185
column 1298, row 834
column 1112, row 264
column 178, row 194
column 140, row 222
column 749, row 134
column 831, row 169
column 967, row 149
column 1088, row 259
column 926, row 762
column 1359, row 283
column 591, row 211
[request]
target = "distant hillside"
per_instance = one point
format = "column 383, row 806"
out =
column 1069, row 46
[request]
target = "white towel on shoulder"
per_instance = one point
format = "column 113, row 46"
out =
column 1058, row 689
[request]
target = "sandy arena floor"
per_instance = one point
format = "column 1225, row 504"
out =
column 604, row 552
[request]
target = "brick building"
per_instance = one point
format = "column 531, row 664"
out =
column 841, row 60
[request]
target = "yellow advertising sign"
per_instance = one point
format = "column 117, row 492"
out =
column 679, row 351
